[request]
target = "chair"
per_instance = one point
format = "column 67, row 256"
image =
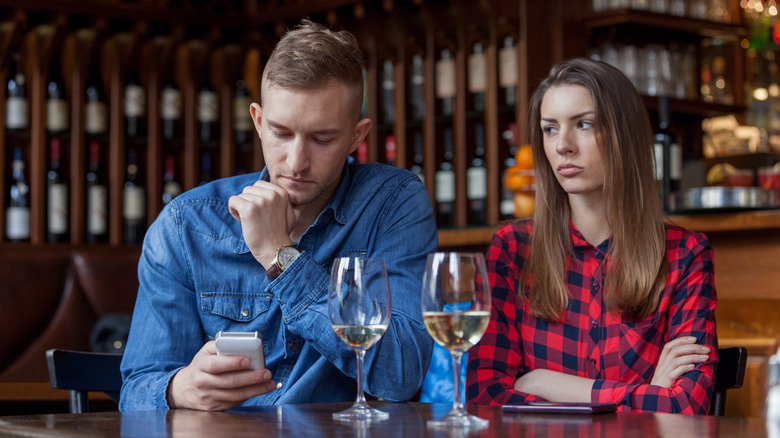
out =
column 81, row 372
column 730, row 374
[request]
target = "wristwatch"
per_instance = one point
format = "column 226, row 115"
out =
column 285, row 255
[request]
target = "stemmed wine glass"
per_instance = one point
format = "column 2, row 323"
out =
column 456, row 311
column 359, row 308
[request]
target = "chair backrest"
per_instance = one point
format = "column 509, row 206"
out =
column 730, row 374
column 81, row 372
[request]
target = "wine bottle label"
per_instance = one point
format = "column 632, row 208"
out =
column 172, row 189
column 134, row 203
column 17, row 225
column 675, row 161
column 135, row 101
column 476, row 179
column 96, row 121
column 477, row 73
column 56, row 115
column 97, row 214
column 445, row 78
column 208, row 108
column 16, row 110
column 507, row 67
column 170, row 104
column 242, row 119
column 507, row 207
column 445, row 186
column 58, row 208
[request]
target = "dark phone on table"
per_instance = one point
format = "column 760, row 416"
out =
column 544, row 407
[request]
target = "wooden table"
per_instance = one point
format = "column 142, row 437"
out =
column 406, row 420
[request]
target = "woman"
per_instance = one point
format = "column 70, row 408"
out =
column 596, row 299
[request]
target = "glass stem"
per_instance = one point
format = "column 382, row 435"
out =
column 361, row 398
column 457, row 405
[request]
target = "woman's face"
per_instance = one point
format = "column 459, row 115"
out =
column 569, row 126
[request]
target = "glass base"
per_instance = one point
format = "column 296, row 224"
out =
column 458, row 418
column 361, row 411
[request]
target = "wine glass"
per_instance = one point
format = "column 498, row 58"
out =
column 456, row 311
column 359, row 308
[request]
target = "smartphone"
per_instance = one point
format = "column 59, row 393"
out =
column 544, row 407
column 247, row 344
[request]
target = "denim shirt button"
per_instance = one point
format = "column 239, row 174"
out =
column 245, row 312
column 292, row 346
column 279, row 385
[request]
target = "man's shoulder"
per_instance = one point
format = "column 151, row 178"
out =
column 378, row 176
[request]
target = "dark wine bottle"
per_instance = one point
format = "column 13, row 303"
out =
column 170, row 112
column 507, row 206
column 171, row 187
column 57, row 195
column 507, row 71
column 134, row 106
column 134, row 205
column 477, row 79
column 95, row 111
column 416, row 83
column 97, row 197
column 208, row 115
column 476, row 179
column 445, row 184
column 445, row 83
column 388, row 92
column 16, row 104
column 668, row 155
column 17, row 219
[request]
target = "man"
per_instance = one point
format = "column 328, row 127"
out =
column 219, row 257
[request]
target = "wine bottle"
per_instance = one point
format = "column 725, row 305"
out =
column 417, row 165
column 476, row 179
column 388, row 92
column 56, row 103
column 17, row 222
column 445, row 184
column 171, row 187
column 668, row 155
column 16, row 103
column 170, row 112
column 507, row 206
column 208, row 115
column 134, row 106
column 205, row 168
column 134, row 205
column 95, row 113
column 97, row 197
column 416, row 82
column 445, row 83
column 507, row 71
column 477, row 80
column 390, row 150
column 242, row 119
column 57, row 199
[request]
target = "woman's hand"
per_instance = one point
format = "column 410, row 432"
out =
column 677, row 358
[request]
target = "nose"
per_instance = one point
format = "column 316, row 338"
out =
column 566, row 142
column 298, row 155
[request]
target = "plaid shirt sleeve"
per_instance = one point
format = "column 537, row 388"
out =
column 688, row 303
column 497, row 360
column 618, row 354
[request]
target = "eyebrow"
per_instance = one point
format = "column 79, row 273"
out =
column 276, row 125
column 574, row 117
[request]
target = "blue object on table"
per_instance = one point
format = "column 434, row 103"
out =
column 438, row 383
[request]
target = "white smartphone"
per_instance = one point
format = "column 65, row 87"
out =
column 247, row 344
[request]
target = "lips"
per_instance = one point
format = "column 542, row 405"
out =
column 568, row 169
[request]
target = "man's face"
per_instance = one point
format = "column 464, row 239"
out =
column 306, row 136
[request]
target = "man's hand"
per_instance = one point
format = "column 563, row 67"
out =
column 677, row 358
column 266, row 217
column 216, row 383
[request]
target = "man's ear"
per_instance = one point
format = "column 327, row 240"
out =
column 362, row 129
column 256, row 111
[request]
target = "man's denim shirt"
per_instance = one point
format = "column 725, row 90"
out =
column 197, row 277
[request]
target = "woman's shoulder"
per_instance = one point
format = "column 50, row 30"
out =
column 517, row 230
column 683, row 240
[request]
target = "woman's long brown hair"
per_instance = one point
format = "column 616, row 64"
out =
column 637, row 268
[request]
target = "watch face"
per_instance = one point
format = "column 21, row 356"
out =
column 287, row 255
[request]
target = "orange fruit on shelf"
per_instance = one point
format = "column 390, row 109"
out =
column 525, row 202
column 518, row 179
column 524, row 158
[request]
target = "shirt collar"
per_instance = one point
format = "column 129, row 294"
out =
column 578, row 240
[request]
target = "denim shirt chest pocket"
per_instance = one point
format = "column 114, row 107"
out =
column 234, row 311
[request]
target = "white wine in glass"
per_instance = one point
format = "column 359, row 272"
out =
column 359, row 309
column 456, row 311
